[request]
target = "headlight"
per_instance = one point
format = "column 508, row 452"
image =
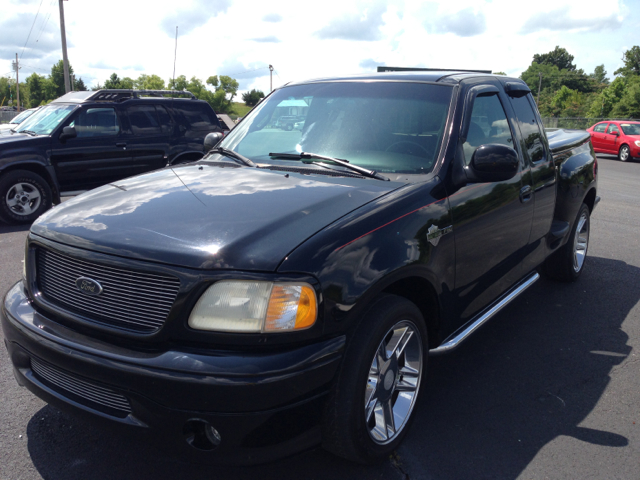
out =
column 637, row 142
column 254, row 307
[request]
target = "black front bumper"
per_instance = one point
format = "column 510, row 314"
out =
column 263, row 405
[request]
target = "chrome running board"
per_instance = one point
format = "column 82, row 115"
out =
column 456, row 339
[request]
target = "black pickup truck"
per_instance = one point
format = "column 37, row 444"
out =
column 287, row 290
column 86, row 139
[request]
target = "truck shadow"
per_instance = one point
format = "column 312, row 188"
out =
column 534, row 373
column 6, row 228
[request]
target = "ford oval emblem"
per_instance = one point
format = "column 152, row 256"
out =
column 88, row 286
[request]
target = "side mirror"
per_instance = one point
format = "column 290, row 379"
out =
column 493, row 163
column 211, row 140
column 67, row 133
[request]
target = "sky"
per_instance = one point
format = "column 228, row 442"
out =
column 241, row 38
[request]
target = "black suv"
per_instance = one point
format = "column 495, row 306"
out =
column 86, row 139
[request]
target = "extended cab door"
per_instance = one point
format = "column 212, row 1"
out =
column 491, row 221
column 96, row 156
column 538, row 159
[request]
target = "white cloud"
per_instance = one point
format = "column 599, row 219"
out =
column 336, row 37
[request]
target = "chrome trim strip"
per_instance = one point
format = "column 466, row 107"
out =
column 453, row 342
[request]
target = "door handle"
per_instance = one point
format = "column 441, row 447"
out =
column 525, row 193
column 123, row 145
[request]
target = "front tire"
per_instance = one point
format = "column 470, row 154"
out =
column 371, row 405
column 568, row 262
column 24, row 196
column 624, row 153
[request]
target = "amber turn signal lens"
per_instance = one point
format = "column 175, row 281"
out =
column 291, row 307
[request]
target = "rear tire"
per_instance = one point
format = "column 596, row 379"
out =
column 371, row 405
column 24, row 196
column 624, row 153
column 567, row 264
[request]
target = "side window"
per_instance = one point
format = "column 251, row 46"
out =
column 529, row 129
column 613, row 128
column 600, row 127
column 144, row 120
column 488, row 125
column 96, row 122
column 197, row 116
column 165, row 120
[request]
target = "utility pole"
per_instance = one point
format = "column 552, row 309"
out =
column 539, row 87
column 270, row 78
column 17, row 67
column 65, row 60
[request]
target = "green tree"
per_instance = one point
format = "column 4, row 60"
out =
column 112, row 82
column 603, row 103
column 559, row 57
column 80, row 86
column 179, row 83
column 252, row 98
column 629, row 104
column 37, row 89
column 631, row 59
column 599, row 75
column 149, row 82
column 57, row 77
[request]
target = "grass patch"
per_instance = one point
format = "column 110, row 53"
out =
column 239, row 110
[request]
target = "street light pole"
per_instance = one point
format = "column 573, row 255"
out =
column 270, row 78
column 65, row 60
column 17, row 83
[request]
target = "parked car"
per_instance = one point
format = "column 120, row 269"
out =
column 86, row 139
column 287, row 122
column 286, row 290
column 15, row 121
column 617, row 137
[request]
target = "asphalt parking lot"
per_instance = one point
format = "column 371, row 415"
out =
column 548, row 389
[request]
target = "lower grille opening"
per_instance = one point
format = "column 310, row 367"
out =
column 80, row 390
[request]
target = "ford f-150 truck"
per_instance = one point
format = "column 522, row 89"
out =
column 286, row 290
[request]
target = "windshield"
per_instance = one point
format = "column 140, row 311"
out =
column 21, row 117
column 392, row 127
column 630, row 128
column 45, row 120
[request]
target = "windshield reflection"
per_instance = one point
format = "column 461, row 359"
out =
column 392, row 127
column 45, row 120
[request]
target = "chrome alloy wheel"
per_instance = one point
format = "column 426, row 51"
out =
column 393, row 383
column 23, row 198
column 581, row 241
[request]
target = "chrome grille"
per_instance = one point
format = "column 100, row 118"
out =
column 70, row 384
column 130, row 300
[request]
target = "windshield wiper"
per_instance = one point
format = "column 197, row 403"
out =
column 30, row 132
column 235, row 155
column 344, row 163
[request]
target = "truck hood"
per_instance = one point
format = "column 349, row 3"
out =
column 207, row 216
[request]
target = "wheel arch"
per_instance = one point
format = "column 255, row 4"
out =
column 417, row 285
column 590, row 199
column 39, row 169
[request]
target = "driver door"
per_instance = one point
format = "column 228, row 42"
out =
column 491, row 221
column 98, row 154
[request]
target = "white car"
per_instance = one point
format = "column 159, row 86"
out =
column 15, row 121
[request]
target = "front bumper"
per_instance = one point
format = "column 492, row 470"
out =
column 263, row 405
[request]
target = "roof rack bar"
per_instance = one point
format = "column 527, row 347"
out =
column 417, row 69
column 125, row 94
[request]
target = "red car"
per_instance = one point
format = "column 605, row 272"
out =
column 617, row 137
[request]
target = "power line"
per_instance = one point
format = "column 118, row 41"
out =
column 45, row 21
column 34, row 22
